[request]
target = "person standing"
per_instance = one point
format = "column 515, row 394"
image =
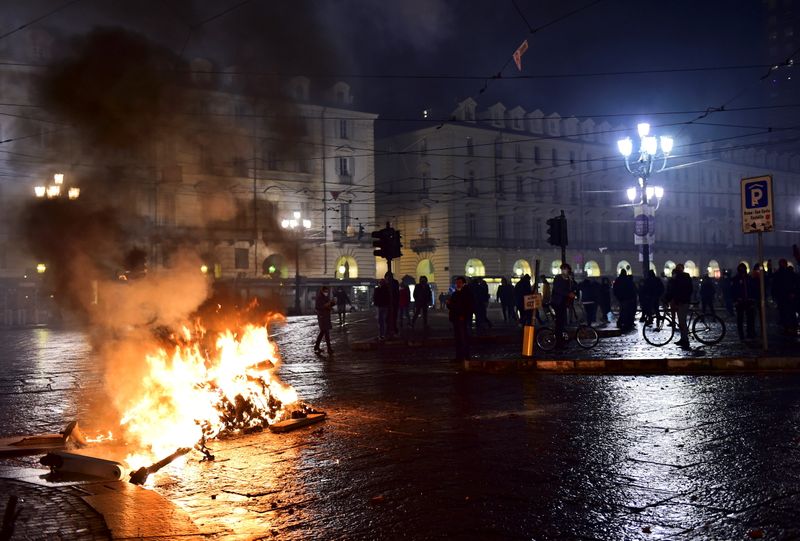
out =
column 394, row 303
column 562, row 296
column 404, row 305
column 743, row 292
column 521, row 290
column 604, row 298
column 707, row 293
column 625, row 292
column 423, row 297
column 652, row 291
column 381, row 300
column 725, row 286
column 589, row 300
column 342, row 300
column 460, row 305
column 323, row 305
column 679, row 294
column 784, row 293
column 505, row 294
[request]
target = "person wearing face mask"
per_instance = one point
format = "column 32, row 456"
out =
column 562, row 294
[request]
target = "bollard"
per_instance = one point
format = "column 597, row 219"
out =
column 527, row 341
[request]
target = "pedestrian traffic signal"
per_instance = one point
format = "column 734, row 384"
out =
column 394, row 251
column 557, row 231
column 381, row 244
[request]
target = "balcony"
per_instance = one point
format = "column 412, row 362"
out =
column 423, row 244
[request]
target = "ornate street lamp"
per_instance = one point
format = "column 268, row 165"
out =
column 298, row 225
column 651, row 159
column 54, row 190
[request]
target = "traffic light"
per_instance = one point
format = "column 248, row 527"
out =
column 381, row 244
column 557, row 231
column 395, row 245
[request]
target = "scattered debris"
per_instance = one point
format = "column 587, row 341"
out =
column 378, row 499
column 756, row 534
column 298, row 420
column 140, row 476
column 69, row 438
column 83, row 463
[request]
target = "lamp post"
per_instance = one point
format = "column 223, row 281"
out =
column 652, row 158
column 298, row 225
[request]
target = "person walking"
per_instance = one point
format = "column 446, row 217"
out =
column 423, row 297
column 707, row 293
column 625, row 293
column 521, row 290
column 679, row 295
column 381, row 301
column 588, row 292
column 442, row 301
column 460, row 305
column 505, row 295
column 563, row 294
column 342, row 300
column 743, row 292
column 323, row 305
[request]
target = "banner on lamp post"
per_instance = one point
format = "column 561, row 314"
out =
column 643, row 225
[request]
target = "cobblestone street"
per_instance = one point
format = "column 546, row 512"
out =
column 415, row 447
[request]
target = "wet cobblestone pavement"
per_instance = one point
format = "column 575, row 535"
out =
column 416, row 448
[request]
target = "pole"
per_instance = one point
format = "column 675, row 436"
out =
column 255, row 202
column 563, row 245
column 645, row 246
column 761, row 294
column 297, row 276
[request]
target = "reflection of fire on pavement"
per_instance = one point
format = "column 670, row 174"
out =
column 196, row 388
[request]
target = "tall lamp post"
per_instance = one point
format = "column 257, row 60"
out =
column 56, row 189
column 652, row 158
column 298, row 225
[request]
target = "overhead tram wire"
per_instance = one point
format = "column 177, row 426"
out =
column 40, row 18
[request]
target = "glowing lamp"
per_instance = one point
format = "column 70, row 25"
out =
column 666, row 144
column 271, row 269
column 292, row 224
column 41, row 268
column 518, row 271
column 659, row 192
column 643, row 128
column 284, row 223
column 631, row 194
column 40, row 191
column 204, row 269
column 58, row 178
column 53, row 191
column 307, row 224
column 470, row 270
column 342, row 269
column 625, row 146
column 74, row 193
column 297, row 215
column 650, row 192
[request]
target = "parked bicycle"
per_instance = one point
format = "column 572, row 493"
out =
column 584, row 335
column 659, row 328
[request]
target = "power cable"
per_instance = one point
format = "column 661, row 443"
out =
column 37, row 19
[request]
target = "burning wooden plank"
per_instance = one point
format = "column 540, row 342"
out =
column 299, row 422
column 70, row 437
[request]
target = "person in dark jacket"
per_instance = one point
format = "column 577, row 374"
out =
column 423, row 297
column 725, row 287
column 707, row 293
column 563, row 293
column 404, row 315
column 460, row 305
column 679, row 296
column 381, row 300
column 784, row 293
column 625, row 292
column 604, row 298
column 589, row 292
column 521, row 290
column 480, row 302
column 744, row 292
column 505, row 294
column 394, row 303
column 342, row 300
column 323, row 305
column 650, row 295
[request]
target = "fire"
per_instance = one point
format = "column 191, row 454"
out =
column 198, row 389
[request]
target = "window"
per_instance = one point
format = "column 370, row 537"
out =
column 498, row 184
column 498, row 148
column 520, row 187
column 242, row 258
column 554, row 157
column 472, row 228
column 518, row 153
column 537, row 157
column 423, row 224
column 501, row 227
column 471, row 190
column 425, row 183
column 343, row 128
column 344, row 169
column 344, row 216
column 470, row 147
column 471, row 113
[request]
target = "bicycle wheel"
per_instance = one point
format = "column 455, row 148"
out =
column 586, row 337
column 546, row 339
column 708, row 329
column 659, row 329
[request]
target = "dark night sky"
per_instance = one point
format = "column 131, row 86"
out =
column 470, row 37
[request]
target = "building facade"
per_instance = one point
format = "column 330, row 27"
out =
column 472, row 197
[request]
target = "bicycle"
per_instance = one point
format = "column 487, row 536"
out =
column 584, row 335
column 659, row 328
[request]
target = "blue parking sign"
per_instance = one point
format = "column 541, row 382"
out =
column 757, row 215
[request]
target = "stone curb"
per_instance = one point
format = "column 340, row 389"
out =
column 706, row 365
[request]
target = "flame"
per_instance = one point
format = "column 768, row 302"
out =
column 193, row 392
